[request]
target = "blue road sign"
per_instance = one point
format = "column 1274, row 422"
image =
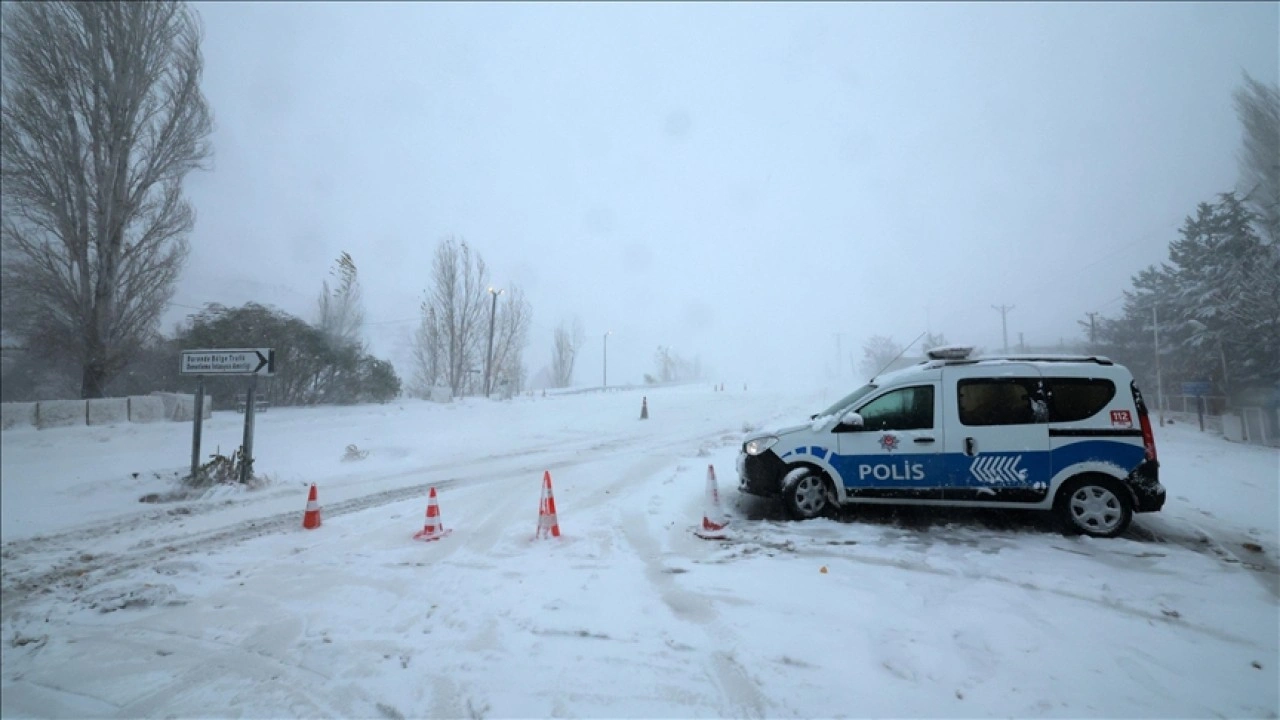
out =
column 1197, row 388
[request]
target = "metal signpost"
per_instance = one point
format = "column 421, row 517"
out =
column 1198, row 389
column 232, row 361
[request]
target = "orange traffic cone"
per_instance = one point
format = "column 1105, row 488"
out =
column 311, row 518
column 433, row 529
column 644, row 408
column 713, row 518
column 548, row 523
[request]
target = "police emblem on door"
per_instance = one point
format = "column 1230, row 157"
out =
column 889, row 442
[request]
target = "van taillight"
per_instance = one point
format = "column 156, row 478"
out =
column 1148, row 439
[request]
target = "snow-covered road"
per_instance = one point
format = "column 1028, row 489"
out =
column 225, row 607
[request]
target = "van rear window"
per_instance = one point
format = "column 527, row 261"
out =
column 1072, row 399
column 1000, row 401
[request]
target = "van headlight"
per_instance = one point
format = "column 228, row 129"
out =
column 755, row 446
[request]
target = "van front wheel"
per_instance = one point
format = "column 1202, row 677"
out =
column 806, row 495
column 1095, row 506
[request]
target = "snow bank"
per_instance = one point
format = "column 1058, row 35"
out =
column 145, row 408
column 17, row 415
column 108, row 411
column 61, row 413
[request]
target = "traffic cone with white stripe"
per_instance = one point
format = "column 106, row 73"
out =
column 548, row 523
column 714, row 520
column 433, row 529
column 311, row 518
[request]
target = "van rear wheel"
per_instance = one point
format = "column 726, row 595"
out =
column 806, row 496
column 1095, row 506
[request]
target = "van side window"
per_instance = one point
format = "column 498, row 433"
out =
column 1001, row 401
column 909, row 408
column 1072, row 399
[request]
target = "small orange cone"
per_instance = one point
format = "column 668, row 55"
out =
column 548, row 523
column 311, row 518
column 644, row 408
column 433, row 529
column 713, row 518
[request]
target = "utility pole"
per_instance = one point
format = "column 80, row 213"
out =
column 839, row 354
column 1093, row 329
column 1022, row 344
column 606, row 357
column 488, row 362
column 1155, row 318
column 1004, row 324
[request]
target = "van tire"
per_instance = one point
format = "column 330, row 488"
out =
column 1094, row 505
column 808, row 496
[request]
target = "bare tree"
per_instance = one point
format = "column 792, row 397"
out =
column 566, row 342
column 102, row 119
column 877, row 354
column 428, row 353
column 669, row 366
column 511, row 335
column 665, row 361
column 340, row 308
column 449, row 343
column 1258, row 106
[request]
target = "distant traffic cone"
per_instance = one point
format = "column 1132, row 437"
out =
column 548, row 523
column 433, row 529
column 644, row 408
column 713, row 518
column 311, row 518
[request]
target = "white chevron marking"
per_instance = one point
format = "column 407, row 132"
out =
column 998, row 470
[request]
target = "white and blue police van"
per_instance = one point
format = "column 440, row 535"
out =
column 1068, row 434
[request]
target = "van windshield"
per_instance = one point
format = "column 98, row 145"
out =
column 848, row 400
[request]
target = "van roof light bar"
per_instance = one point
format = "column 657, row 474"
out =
column 950, row 352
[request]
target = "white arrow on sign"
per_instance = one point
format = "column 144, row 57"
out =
column 231, row 361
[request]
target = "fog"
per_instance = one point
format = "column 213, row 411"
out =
column 756, row 186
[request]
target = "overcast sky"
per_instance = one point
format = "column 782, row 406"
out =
column 742, row 182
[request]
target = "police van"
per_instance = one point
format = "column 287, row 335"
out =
column 1069, row 434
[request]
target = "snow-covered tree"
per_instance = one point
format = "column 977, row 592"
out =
column 1258, row 107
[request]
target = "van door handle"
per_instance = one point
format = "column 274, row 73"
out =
column 924, row 440
column 970, row 447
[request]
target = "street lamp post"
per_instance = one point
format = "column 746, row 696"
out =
column 606, row 357
column 488, row 362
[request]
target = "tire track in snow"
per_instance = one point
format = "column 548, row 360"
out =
column 181, row 511
column 737, row 689
column 79, row 571
column 1261, row 562
column 823, row 551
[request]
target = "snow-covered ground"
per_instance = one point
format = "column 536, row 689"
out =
column 225, row 606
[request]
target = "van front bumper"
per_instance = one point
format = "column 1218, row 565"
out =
column 761, row 475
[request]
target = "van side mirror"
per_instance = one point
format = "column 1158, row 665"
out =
column 852, row 419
